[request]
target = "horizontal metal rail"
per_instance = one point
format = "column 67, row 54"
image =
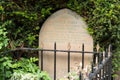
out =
column 38, row 49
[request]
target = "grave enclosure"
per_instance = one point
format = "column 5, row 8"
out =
column 69, row 31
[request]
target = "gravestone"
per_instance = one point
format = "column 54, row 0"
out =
column 69, row 31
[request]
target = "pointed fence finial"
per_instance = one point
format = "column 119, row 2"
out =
column 109, row 50
column 69, row 46
column 97, row 47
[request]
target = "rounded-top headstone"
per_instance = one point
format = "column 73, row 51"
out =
column 69, row 31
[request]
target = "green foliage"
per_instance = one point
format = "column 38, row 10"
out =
column 116, row 60
column 24, row 68
column 46, row 12
column 3, row 34
column 5, row 63
column 20, row 23
column 26, row 18
column 103, row 19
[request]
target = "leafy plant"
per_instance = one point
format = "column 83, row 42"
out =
column 24, row 69
column 5, row 67
column 3, row 34
column 20, row 75
column 26, row 18
column 116, row 61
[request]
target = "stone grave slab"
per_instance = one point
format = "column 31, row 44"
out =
column 69, row 31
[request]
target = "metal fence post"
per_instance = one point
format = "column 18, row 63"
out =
column 82, row 56
column 80, row 76
column 41, row 59
column 55, row 61
column 68, row 61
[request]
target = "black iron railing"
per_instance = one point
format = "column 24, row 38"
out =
column 101, row 67
column 103, row 70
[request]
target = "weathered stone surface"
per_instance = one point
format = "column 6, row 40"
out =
column 69, row 31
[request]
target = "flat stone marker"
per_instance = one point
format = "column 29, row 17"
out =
column 69, row 31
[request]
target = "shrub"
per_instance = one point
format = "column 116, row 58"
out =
column 22, row 69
